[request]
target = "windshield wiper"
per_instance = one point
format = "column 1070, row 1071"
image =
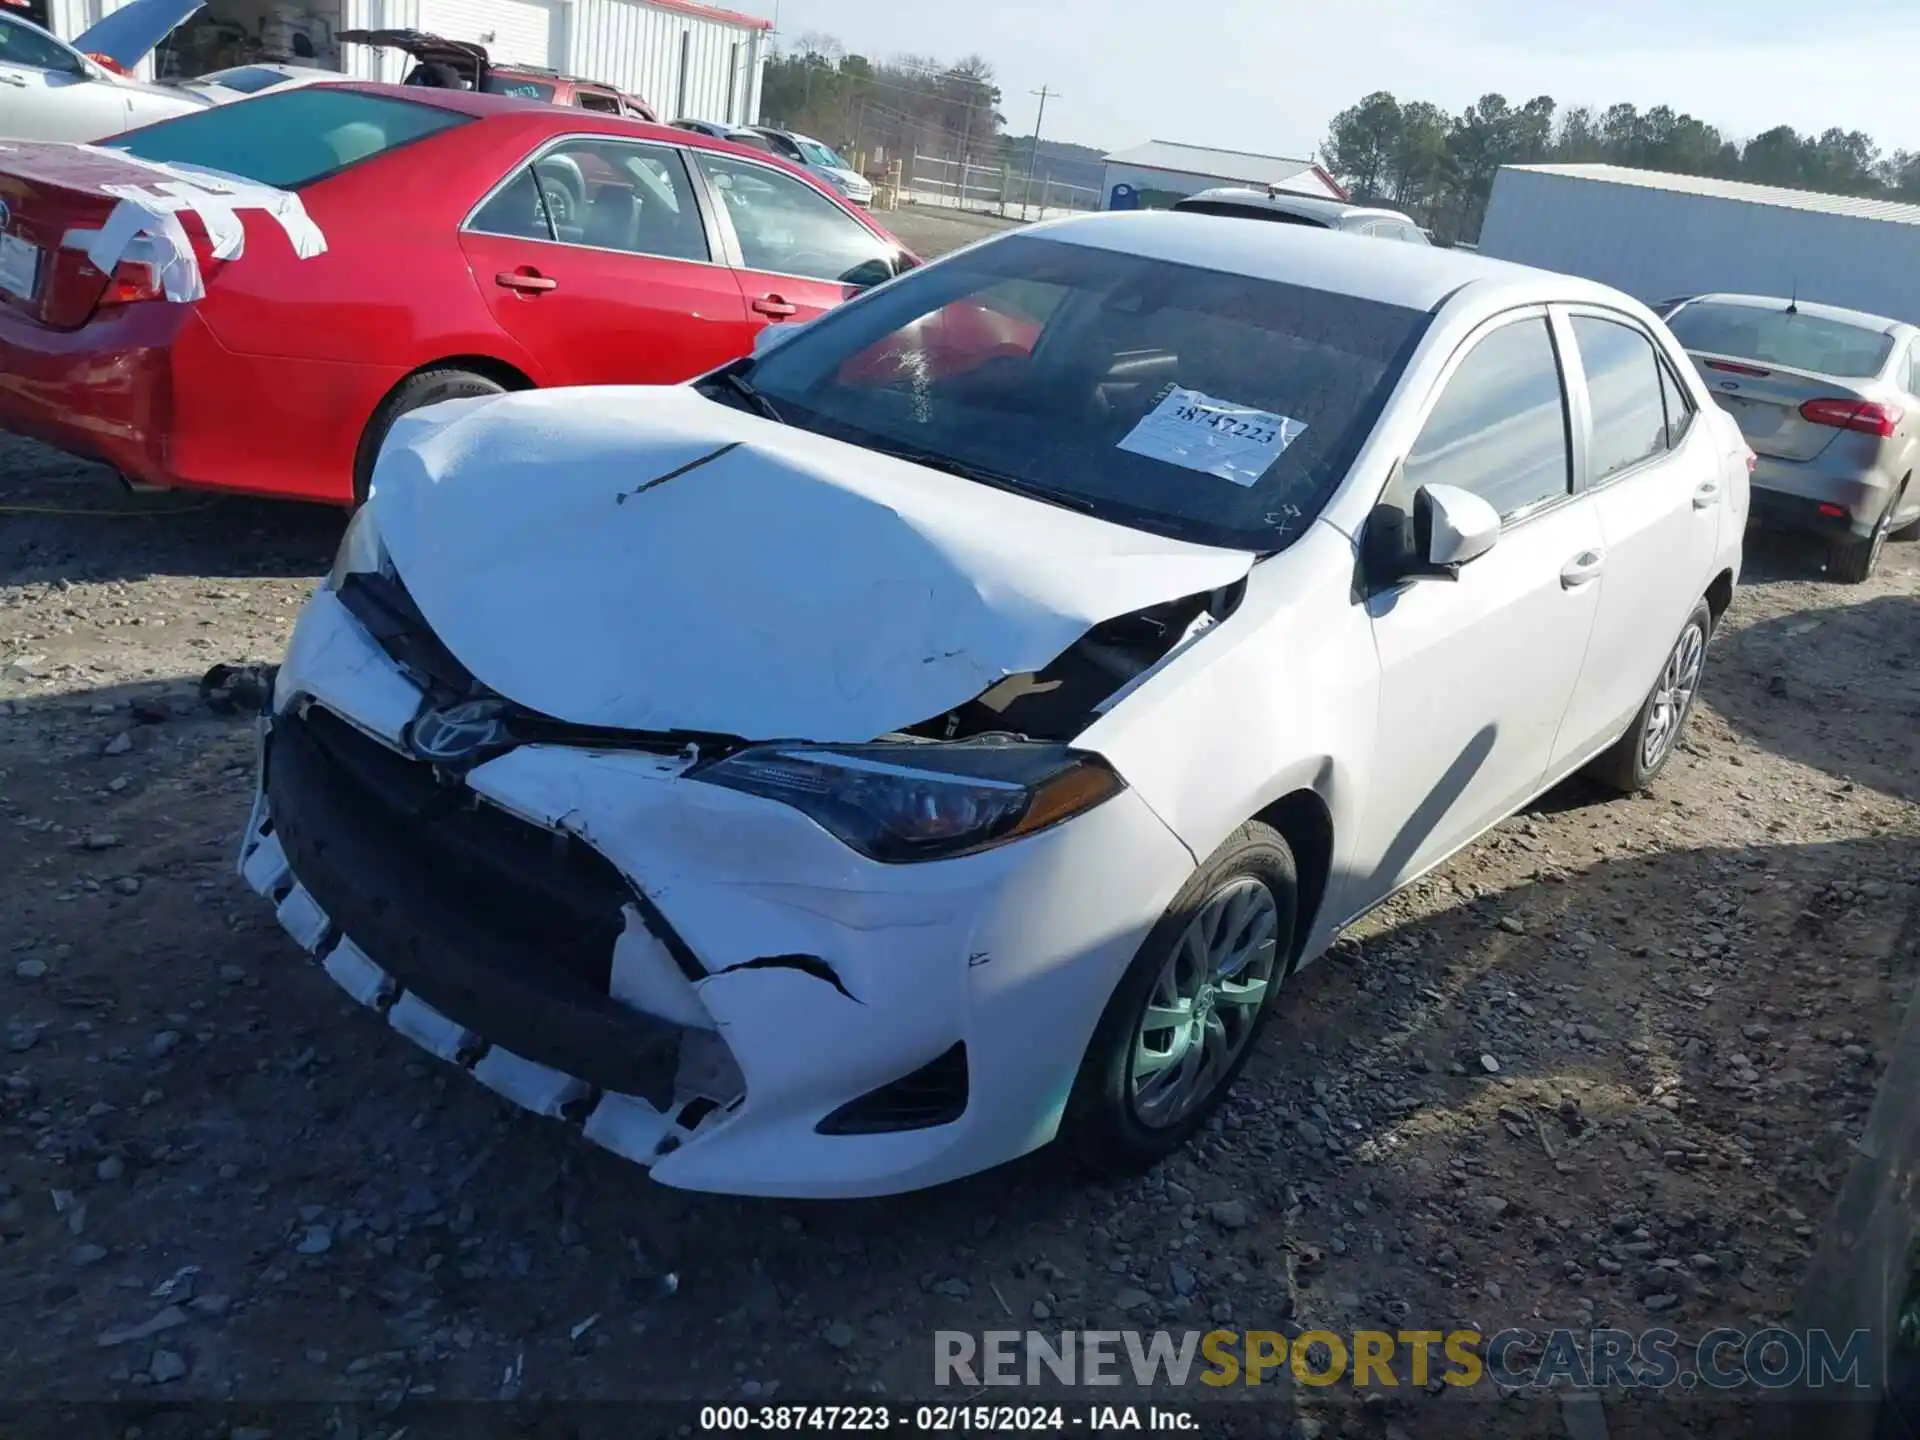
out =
column 998, row 480
column 756, row 402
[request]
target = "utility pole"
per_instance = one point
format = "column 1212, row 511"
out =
column 1033, row 153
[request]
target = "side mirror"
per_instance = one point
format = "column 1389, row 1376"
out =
column 769, row 337
column 1450, row 527
column 903, row 262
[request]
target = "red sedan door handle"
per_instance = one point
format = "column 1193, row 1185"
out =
column 527, row 280
column 774, row 307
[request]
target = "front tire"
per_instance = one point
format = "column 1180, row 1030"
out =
column 1639, row 756
column 1187, row 1013
column 429, row 387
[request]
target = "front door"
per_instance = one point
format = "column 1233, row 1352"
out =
column 47, row 94
column 799, row 253
column 1476, row 671
column 1657, row 487
column 597, row 259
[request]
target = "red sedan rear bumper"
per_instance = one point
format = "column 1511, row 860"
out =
column 103, row 392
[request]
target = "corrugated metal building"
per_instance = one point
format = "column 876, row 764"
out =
column 1161, row 171
column 1659, row 236
column 688, row 60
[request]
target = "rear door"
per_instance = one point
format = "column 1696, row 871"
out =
column 47, row 93
column 1655, row 476
column 798, row 253
column 599, row 258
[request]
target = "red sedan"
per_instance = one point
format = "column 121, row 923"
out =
column 401, row 246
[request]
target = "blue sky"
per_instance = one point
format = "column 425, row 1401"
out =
column 1266, row 75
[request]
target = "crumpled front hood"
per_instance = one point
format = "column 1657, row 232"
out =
column 588, row 554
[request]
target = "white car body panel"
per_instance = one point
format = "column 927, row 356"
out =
column 799, row 588
column 82, row 101
column 934, row 586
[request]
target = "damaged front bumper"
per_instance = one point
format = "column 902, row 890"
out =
column 705, row 980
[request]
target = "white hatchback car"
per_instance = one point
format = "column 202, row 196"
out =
column 951, row 726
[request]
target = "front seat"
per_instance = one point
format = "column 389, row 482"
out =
column 613, row 220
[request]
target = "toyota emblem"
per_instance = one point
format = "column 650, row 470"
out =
column 458, row 732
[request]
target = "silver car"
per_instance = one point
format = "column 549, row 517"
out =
column 1275, row 204
column 1829, row 401
column 50, row 90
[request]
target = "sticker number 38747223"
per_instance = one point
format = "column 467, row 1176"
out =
column 1217, row 437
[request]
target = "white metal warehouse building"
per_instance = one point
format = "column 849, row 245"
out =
column 1162, row 168
column 1659, row 236
column 687, row 60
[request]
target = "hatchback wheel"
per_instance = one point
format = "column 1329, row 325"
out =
column 1184, row 1018
column 1643, row 752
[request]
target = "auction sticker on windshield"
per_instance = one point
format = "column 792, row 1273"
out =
column 19, row 266
column 1216, row 437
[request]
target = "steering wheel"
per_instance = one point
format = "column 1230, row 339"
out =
column 559, row 202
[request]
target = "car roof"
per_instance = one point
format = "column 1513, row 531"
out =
column 1293, row 204
column 1418, row 277
column 1861, row 318
column 546, row 119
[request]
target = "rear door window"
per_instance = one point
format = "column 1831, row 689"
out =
column 290, row 138
column 607, row 194
column 1624, row 394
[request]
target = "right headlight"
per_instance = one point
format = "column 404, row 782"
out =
column 901, row 802
column 362, row 552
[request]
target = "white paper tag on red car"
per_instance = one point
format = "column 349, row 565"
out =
column 1216, row 437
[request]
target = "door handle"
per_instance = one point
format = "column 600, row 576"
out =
column 19, row 80
column 1707, row 495
column 774, row 307
column 527, row 280
column 1582, row 569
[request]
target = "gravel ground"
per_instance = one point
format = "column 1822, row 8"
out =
column 1603, row 1068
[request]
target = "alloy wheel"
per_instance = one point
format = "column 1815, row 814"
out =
column 1203, row 1005
column 1673, row 698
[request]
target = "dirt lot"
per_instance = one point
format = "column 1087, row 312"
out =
column 1604, row 1068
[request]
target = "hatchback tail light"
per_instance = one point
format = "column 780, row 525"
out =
column 1866, row 416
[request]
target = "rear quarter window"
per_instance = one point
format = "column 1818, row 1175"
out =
column 291, row 139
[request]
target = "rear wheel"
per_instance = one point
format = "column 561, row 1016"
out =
column 1643, row 752
column 1854, row 561
column 1184, row 1018
column 429, row 387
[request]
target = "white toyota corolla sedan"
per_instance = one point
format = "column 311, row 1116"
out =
column 950, row 727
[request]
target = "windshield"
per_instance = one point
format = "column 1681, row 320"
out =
column 818, row 154
column 289, row 138
column 1191, row 403
column 523, row 89
column 1801, row 342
